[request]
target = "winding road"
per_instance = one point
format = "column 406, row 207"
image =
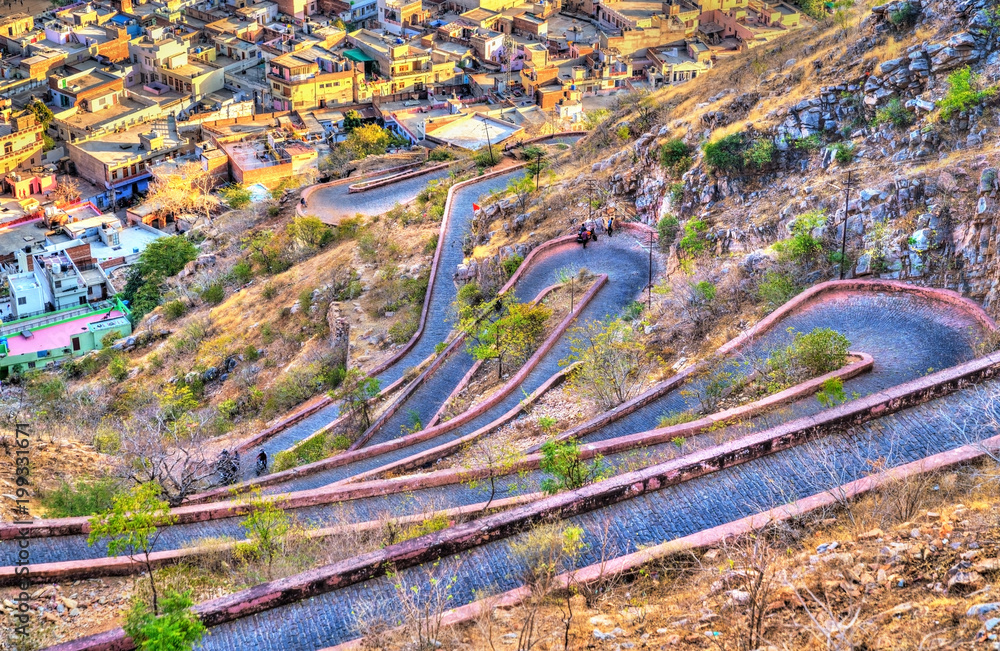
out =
column 908, row 336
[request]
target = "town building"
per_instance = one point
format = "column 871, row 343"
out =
column 120, row 161
column 21, row 142
column 311, row 78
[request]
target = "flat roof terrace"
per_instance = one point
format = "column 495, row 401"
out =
column 84, row 119
column 57, row 335
column 471, row 133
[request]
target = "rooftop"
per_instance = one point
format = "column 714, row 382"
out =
column 131, row 240
column 84, row 119
column 22, row 235
column 112, row 148
column 58, row 335
column 470, row 133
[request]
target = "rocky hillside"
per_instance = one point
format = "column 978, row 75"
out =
column 891, row 109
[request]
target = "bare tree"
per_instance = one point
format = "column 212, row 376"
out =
column 67, row 190
column 833, row 628
column 750, row 577
column 486, row 461
column 152, row 451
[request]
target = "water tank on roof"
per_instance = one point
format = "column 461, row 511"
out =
column 572, row 87
column 399, row 41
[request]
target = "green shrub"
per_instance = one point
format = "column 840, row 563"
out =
column 305, row 300
column 726, row 154
column 118, row 368
column 269, row 291
column 236, row 196
column 894, row 113
column 809, row 355
column 440, row 154
column 469, row 294
column 401, row 331
column 676, row 193
column 340, row 442
column 675, row 156
column 677, row 418
column 284, row 460
column 667, row 227
column 831, row 392
column 809, row 143
column 175, row 309
column 228, row 408
column 86, row 497
column 214, row 294
column 776, row 289
column 633, row 310
column 176, row 628
column 694, row 243
column 962, row 94
column 511, row 264
column 843, row 153
column 905, row 16
column 704, row 291
column 486, row 157
column 802, row 246
column 760, row 153
column 250, row 353
column 562, row 460
column 623, row 132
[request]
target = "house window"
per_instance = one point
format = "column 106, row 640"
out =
column 31, row 365
column 22, row 300
column 114, row 175
column 76, row 343
column 83, row 300
column 58, row 283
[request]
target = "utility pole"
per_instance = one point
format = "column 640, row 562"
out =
column 486, row 128
column 649, row 294
column 538, row 167
column 843, row 238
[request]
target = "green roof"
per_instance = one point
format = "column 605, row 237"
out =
column 358, row 55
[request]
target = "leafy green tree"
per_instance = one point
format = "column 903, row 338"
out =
column 370, row 140
column 161, row 259
column 310, row 231
column 569, row 471
column 42, row 112
column 487, row 460
column 511, row 336
column 236, row 196
column 352, row 120
column 130, row 526
column 616, row 364
column 267, row 527
column 176, row 629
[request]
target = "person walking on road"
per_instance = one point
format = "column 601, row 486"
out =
column 611, row 225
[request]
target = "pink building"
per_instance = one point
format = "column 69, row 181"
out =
column 24, row 184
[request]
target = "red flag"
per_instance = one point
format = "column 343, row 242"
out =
column 475, row 206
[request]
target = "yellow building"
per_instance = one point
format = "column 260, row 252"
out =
column 311, row 78
column 21, row 145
